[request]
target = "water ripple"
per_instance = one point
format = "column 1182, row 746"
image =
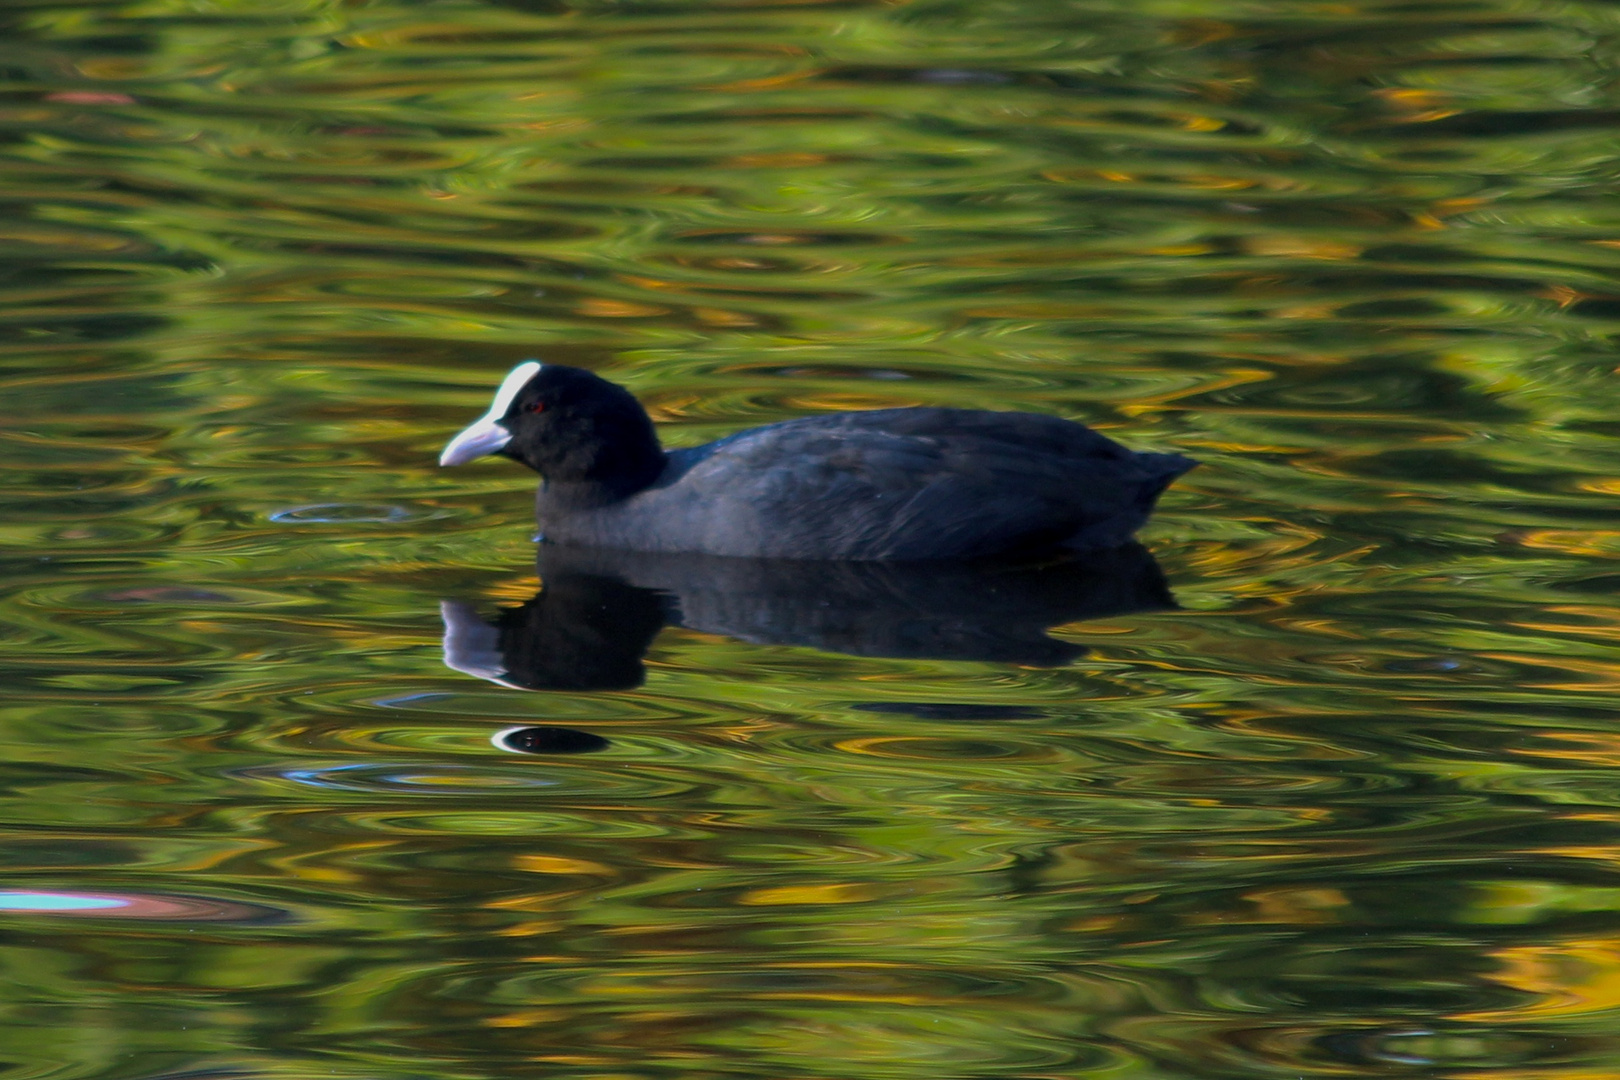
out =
column 348, row 513
column 480, row 780
column 120, row 905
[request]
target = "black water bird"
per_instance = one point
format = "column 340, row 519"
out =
column 884, row 485
column 598, row 610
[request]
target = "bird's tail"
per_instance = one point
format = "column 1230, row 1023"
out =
column 1161, row 470
column 1158, row 472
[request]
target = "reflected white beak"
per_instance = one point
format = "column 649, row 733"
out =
column 471, row 645
column 498, row 740
column 486, row 434
column 482, row 436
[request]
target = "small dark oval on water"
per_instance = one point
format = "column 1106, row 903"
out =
column 548, row 740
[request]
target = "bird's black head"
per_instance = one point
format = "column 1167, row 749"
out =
column 568, row 425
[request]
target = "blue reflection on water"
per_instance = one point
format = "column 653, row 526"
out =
column 42, row 901
column 327, row 513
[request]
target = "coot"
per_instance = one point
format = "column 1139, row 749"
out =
column 889, row 484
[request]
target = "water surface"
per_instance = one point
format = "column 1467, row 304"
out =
column 1349, row 810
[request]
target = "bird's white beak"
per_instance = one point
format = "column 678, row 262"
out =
column 486, row 434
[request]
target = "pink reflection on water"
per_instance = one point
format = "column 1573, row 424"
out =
column 123, row 905
column 90, row 97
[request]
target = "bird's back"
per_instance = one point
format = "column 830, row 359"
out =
column 920, row 483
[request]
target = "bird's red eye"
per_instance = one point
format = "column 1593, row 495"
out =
column 538, row 406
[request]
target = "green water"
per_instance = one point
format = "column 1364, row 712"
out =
column 1349, row 811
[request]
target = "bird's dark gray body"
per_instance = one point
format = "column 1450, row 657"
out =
column 890, row 484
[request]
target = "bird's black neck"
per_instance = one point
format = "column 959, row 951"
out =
column 588, row 494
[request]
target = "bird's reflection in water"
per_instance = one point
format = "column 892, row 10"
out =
column 598, row 611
